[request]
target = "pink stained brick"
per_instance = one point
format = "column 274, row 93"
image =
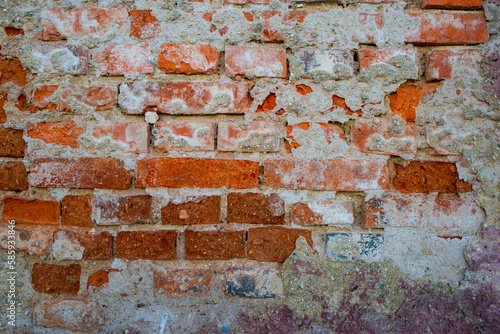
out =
column 315, row 174
column 58, row 24
column 256, row 61
column 448, row 28
column 143, row 24
column 183, row 98
column 130, row 137
column 188, row 59
column 260, row 136
column 393, row 137
column 369, row 57
column 441, row 64
column 184, row 136
column 124, row 59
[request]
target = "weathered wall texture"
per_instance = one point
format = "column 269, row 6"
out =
column 248, row 166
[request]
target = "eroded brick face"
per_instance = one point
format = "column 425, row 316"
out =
column 255, row 208
column 13, row 176
column 183, row 282
column 157, row 245
column 192, row 211
column 119, row 210
column 53, row 278
column 76, row 210
column 12, row 143
column 188, row 59
column 214, row 245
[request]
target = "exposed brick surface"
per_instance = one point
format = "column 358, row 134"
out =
column 143, row 24
column 99, row 278
column 441, row 64
column 133, row 136
column 192, row 211
column 183, row 97
column 188, row 59
column 30, row 211
column 12, row 143
column 325, row 63
column 406, row 99
column 97, row 246
column 337, row 213
column 214, row 245
column 33, row 241
column 157, row 245
column 12, row 71
column 255, row 208
column 13, row 176
column 369, row 57
column 272, row 32
column 76, row 210
column 428, row 176
column 337, row 175
column 118, row 210
column 261, row 136
column 197, row 173
column 124, row 59
column 184, row 136
column 274, row 244
column 54, row 278
column 448, row 4
column 79, row 173
column 256, row 61
column 183, row 282
column 61, row 133
column 330, row 133
column 76, row 59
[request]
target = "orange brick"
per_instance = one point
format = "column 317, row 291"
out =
column 11, row 31
column 451, row 4
column 369, row 57
column 12, row 71
column 188, row 59
column 256, row 61
column 406, row 99
column 87, row 173
column 255, row 208
column 214, row 245
column 12, row 143
column 143, row 24
column 76, row 210
column 192, row 210
column 54, row 278
column 151, row 245
column 124, row 59
column 197, row 173
column 184, row 136
column 13, row 176
column 448, row 28
column 440, row 64
column 274, row 244
column 131, row 137
column 61, row 133
column 339, row 175
column 58, row 24
column 30, row 211
column 99, row 278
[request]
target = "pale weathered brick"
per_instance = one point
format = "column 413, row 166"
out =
column 260, row 136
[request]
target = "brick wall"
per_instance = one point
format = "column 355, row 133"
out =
column 168, row 154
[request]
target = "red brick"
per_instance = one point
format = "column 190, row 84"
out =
column 256, row 61
column 451, row 4
column 303, row 89
column 128, row 209
column 99, row 278
column 336, row 213
column 269, row 104
column 75, row 315
column 255, row 208
column 428, row 176
column 406, row 99
column 259, row 136
column 86, row 173
column 338, row 175
column 12, row 71
column 188, row 59
column 75, row 59
column 143, row 24
column 184, row 136
column 242, row 2
column 3, row 115
column 272, row 31
column 30, row 211
column 192, row 211
column 183, row 98
column 97, row 246
column 13, row 176
column 54, row 278
column 197, row 173
column 76, row 246
column 183, row 282
column 448, row 28
column 81, row 22
column 54, row 97
column 61, row 133
column 393, row 137
column 151, row 245
column 32, row 241
column 76, row 210
column 441, row 64
column 214, row 245
column 124, row 59
column 12, row 143
column 130, row 137
column 369, row 57
column 11, row 31
column 330, row 132
column 274, row 244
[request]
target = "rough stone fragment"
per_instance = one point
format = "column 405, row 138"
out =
column 260, row 136
column 354, row 247
column 335, row 213
column 197, row 173
column 253, row 283
column 192, row 211
column 183, row 97
column 103, row 173
column 255, row 208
